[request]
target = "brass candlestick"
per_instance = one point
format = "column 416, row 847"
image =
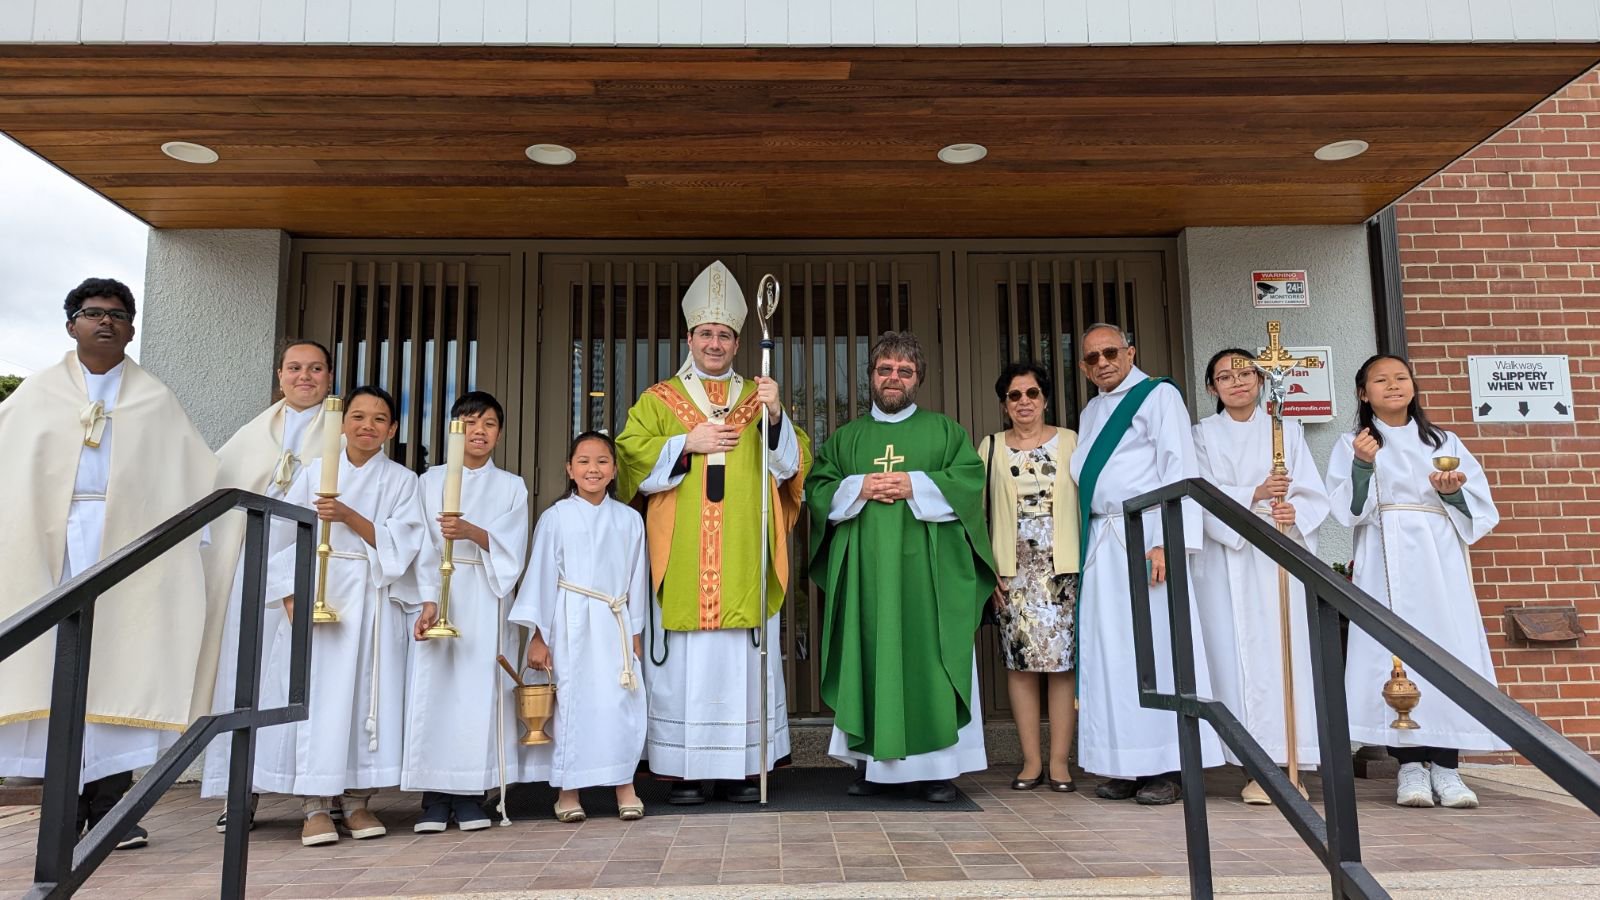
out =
column 321, row 612
column 447, row 567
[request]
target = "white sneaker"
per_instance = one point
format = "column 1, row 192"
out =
column 1449, row 789
column 1414, row 789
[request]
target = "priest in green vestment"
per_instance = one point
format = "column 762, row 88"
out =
column 692, row 446
column 901, row 554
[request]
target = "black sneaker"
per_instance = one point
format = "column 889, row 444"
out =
column 469, row 814
column 686, row 793
column 938, row 791
column 1116, row 789
column 135, row 838
column 1158, row 791
column 222, row 820
column 741, row 791
column 865, row 788
column 434, row 819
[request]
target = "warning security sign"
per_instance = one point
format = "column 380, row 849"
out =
column 1520, row 388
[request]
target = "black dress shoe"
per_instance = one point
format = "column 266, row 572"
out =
column 1026, row 784
column 1158, row 791
column 938, row 791
column 686, row 793
column 135, row 838
column 741, row 791
column 1116, row 789
column 1060, row 787
column 865, row 788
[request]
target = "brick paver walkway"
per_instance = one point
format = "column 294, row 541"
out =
column 1017, row 835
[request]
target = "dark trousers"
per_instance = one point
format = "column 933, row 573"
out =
column 1440, row 756
column 99, row 796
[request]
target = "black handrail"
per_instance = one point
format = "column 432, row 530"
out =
column 62, row 862
column 1336, row 841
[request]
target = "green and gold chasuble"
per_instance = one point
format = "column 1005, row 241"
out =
column 703, row 558
column 903, row 597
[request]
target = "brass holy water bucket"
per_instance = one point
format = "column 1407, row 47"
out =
column 535, row 704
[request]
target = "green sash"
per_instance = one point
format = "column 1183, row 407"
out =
column 1099, row 454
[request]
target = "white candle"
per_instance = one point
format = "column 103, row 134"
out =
column 455, row 457
column 332, row 430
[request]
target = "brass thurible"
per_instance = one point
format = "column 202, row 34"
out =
column 1402, row 695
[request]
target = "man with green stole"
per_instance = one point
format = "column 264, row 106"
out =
column 900, row 551
column 692, row 445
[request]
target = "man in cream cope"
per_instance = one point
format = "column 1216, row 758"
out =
column 692, row 446
column 97, row 452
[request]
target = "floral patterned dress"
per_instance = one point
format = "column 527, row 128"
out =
column 1037, row 630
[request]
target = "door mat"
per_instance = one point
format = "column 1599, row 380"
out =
column 791, row 789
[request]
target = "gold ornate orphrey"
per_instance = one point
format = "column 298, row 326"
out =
column 1275, row 363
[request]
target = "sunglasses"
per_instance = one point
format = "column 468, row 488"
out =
column 1032, row 393
column 1110, row 353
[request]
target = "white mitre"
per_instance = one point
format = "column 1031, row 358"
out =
column 714, row 297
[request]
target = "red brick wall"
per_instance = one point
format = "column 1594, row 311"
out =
column 1501, row 254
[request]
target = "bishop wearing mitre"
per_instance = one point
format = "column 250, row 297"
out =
column 96, row 453
column 692, row 446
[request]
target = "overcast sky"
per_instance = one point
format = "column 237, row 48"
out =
column 54, row 232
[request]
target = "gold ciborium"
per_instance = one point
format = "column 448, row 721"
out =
column 1402, row 695
column 535, row 704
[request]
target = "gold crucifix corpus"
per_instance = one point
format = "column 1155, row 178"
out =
column 888, row 460
column 1275, row 364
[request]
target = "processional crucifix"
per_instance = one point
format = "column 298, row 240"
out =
column 1275, row 364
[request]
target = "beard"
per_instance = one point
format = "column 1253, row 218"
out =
column 898, row 403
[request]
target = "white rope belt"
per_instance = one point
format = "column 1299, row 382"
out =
column 1413, row 507
column 99, row 497
column 618, row 606
column 467, row 561
column 1116, row 532
column 346, row 554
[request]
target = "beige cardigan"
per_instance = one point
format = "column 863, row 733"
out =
column 1003, row 505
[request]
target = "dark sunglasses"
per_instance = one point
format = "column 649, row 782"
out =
column 1110, row 353
column 1032, row 393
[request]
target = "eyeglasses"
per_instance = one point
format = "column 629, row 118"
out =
column 1227, row 378
column 906, row 373
column 95, row 314
column 1092, row 358
column 1032, row 393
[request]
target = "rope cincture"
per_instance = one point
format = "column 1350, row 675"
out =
column 618, row 605
column 93, row 418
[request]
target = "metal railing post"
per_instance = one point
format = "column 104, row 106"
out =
column 1333, row 736
column 241, row 761
column 1183, row 683
column 63, row 765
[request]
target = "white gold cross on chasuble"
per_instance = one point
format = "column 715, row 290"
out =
column 888, row 460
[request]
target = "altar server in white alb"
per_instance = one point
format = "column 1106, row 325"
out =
column 350, row 745
column 96, row 452
column 1133, row 437
column 263, row 457
column 1413, row 523
column 1236, row 586
column 461, row 734
column 585, row 598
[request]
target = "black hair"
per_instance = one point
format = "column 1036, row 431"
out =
column 476, row 403
column 1430, row 433
column 98, row 287
column 291, row 343
column 372, row 390
column 1219, row 356
column 611, row 446
column 1016, row 370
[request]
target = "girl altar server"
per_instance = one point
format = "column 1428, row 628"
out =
column 585, row 598
column 461, row 735
column 350, row 745
column 1236, row 586
column 1413, row 522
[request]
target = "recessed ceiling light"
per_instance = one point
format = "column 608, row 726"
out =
column 551, row 154
column 961, row 154
column 1341, row 150
column 184, row 151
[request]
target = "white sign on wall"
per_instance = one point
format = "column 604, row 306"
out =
column 1520, row 388
column 1309, row 393
column 1280, row 289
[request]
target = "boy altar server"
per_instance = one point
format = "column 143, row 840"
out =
column 458, row 702
column 72, row 495
column 350, row 745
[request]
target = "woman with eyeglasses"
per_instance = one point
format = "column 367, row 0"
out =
column 1236, row 585
column 1036, row 557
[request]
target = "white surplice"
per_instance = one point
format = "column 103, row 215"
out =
column 107, row 749
column 967, row 754
column 460, row 721
column 705, row 697
column 1236, row 586
column 598, row 729
column 1117, row 737
column 1429, row 579
column 357, row 686
column 292, row 456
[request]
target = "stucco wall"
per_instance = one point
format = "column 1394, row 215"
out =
column 210, row 318
column 1219, row 311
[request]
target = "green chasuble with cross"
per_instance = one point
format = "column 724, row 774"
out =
column 902, row 597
